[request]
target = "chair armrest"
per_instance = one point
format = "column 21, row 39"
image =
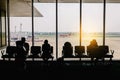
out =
column 112, row 52
column 75, row 53
column 2, row 52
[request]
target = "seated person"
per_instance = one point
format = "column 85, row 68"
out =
column 93, row 49
column 21, row 55
column 93, row 43
column 92, row 46
column 46, row 51
column 22, row 49
column 67, row 50
column 25, row 45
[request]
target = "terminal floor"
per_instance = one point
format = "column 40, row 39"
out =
column 62, row 70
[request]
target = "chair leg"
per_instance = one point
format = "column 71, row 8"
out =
column 4, row 59
column 110, row 60
column 80, row 59
column 9, row 59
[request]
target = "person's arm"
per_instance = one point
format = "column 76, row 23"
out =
column 42, row 48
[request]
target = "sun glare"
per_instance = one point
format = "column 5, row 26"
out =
column 89, row 33
column 88, row 36
column 90, row 29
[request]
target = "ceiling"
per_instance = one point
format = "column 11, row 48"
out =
column 22, row 8
column 76, row 1
column 2, row 4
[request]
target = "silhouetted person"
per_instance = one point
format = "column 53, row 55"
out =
column 93, row 43
column 25, row 45
column 93, row 49
column 67, row 50
column 46, row 50
column 22, row 51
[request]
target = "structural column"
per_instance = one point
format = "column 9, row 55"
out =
column 56, row 29
column 32, row 23
column 8, row 19
column 80, row 22
column 104, row 17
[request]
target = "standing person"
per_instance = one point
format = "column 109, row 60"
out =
column 46, row 50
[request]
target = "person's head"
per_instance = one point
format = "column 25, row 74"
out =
column 46, row 41
column 67, row 44
column 23, row 39
column 93, row 42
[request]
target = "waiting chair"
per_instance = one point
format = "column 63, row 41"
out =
column 35, row 52
column 10, row 52
column 99, row 52
column 92, row 52
column 79, row 50
column 48, row 55
column 104, row 52
column 51, row 52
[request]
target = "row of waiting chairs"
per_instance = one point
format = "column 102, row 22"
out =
column 35, row 52
column 97, row 52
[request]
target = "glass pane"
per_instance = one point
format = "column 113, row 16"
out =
column 45, row 24
column 0, row 31
column 20, row 21
column 92, row 23
column 3, row 29
column 112, row 28
column 68, row 24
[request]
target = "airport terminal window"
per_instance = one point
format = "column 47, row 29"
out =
column 45, row 24
column 92, row 23
column 3, row 28
column 0, row 30
column 68, row 24
column 112, row 36
column 20, row 21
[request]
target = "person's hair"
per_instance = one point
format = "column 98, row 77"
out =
column 23, row 39
column 67, row 44
column 46, row 41
column 93, row 42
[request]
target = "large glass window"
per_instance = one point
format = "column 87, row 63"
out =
column 0, row 31
column 20, row 21
column 45, row 24
column 3, row 28
column 68, row 24
column 112, row 28
column 92, row 23
column 44, row 20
